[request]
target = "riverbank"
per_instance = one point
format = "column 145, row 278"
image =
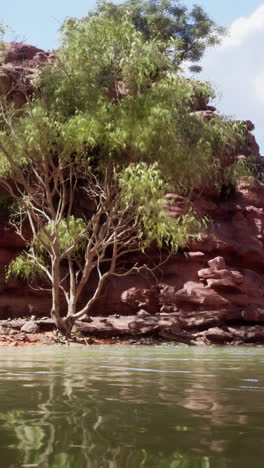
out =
column 50, row 339
column 196, row 329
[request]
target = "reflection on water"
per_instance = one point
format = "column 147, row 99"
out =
column 110, row 407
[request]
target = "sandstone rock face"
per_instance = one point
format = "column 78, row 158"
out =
column 19, row 53
column 19, row 68
column 214, row 292
column 223, row 272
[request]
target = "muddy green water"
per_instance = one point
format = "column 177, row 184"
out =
column 127, row 407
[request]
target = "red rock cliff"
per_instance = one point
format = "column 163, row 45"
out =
column 218, row 283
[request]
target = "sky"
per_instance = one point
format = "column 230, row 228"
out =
column 236, row 68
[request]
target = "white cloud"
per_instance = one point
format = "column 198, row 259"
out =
column 242, row 28
column 237, row 70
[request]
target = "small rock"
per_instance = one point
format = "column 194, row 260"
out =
column 142, row 313
column 217, row 263
column 195, row 256
column 217, row 335
column 88, row 319
column 30, row 327
column 211, row 108
column 250, row 126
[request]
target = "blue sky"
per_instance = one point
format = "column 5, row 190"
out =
column 236, row 68
column 37, row 22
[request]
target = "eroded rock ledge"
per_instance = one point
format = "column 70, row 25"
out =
column 241, row 327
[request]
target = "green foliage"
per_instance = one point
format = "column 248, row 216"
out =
column 115, row 95
column 99, row 55
column 65, row 233
column 226, row 136
column 25, row 267
column 124, row 48
column 153, row 126
column 3, row 29
column 111, row 95
column 115, row 98
column 202, row 92
column 188, row 32
column 239, row 169
column 143, row 187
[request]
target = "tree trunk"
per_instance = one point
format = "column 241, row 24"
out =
column 64, row 325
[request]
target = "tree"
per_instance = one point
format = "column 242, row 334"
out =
column 187, row 33
column 120, row 213
column 121, row 95
column 89, row 158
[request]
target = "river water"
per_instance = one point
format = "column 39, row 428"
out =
column 131, row 407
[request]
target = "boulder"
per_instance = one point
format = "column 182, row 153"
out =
column 19, row 53
column 30, row 327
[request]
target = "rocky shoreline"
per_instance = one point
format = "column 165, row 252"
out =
column 238, row 328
